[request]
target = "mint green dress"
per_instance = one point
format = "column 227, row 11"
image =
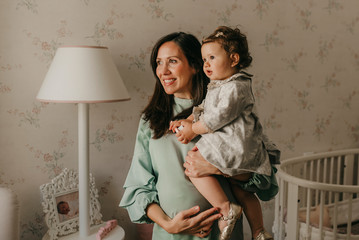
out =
column 157, row 175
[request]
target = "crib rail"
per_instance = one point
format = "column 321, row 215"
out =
column 316, row 196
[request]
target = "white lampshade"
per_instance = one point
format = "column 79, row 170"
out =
column 82, row 74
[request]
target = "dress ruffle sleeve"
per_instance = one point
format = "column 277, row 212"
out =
column 140, row 185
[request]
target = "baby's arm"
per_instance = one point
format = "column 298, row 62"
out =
column 186, row 134
column 199, row 127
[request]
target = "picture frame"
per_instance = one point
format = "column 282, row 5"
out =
column 67, row 206
column 61, row 204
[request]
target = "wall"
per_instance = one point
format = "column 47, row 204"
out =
column 306, row 66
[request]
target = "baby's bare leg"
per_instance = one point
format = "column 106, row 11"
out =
column 211, row 190
column 251, row 206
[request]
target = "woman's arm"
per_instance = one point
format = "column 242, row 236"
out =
column 185, row 222
column 197, row 166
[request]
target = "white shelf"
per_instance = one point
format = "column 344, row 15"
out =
column 116, row 234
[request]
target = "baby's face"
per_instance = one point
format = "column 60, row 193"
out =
column 216, row 61
column 64, row 208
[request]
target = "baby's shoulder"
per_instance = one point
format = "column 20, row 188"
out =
column 239, row 82
column 242, row 77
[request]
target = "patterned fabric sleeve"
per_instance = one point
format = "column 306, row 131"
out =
column 232, row 100
column 197, row 112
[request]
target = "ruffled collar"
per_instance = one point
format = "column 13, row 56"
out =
column 237, row 76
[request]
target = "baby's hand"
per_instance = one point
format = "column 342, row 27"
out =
column 175, row 126
column 185, row 135
column 178, row 129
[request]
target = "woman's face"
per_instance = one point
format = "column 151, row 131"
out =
column 174, row 71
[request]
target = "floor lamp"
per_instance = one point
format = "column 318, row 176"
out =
column 83, row 75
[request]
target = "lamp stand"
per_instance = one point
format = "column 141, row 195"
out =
column 83, row 74
column 85, row 232
column 84, row 169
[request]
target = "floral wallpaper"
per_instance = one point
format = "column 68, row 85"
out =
column 306, row 68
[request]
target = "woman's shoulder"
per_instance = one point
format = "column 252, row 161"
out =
column 144, row 126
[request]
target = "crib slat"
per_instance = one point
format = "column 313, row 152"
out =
column 283, row 206
column 348, row 169
column 321, row 213
column 309, row 200
column 338, row 172
column 335, row 215
column 305, row 202
column 331, row 176
column 349, row 223
column 279, row 217
column 325, row 176
column 325, row 170
column 277, row 210
column 292, row 215
column 317, row 180
column 311, row 170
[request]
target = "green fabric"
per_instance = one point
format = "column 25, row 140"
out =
column 157, row 175
column 266, row 187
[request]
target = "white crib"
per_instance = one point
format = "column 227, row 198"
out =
column 318, row 197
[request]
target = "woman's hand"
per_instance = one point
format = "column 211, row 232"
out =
column 197, row 166
column 185, row 222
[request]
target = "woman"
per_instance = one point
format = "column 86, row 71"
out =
column 157, row 189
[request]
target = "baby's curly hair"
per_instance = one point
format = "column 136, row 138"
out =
column 233, row 41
